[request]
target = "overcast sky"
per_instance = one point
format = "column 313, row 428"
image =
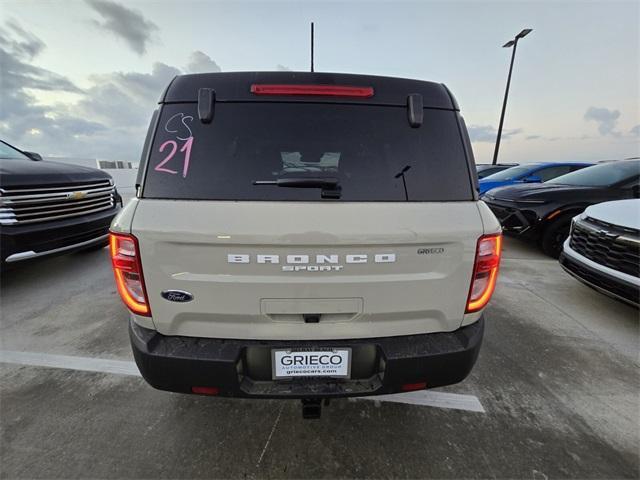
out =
column 81, row 78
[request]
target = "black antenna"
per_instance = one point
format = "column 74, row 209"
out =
column 312, row 46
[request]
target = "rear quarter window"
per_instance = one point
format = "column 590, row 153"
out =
column 366, row 148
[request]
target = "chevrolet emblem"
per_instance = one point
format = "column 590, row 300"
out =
column 607, row 235
column 76, row 195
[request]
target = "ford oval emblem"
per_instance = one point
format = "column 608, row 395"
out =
column 177, row 296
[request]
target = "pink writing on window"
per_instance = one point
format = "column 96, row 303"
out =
column 186, row 149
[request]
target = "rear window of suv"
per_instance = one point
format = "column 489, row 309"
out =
column 368, row 149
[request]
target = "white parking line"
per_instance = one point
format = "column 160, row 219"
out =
column 119, row 367
column 453, row 401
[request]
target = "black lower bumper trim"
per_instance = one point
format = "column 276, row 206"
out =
column 54, row 236
column 604, row 283
column 384, row 365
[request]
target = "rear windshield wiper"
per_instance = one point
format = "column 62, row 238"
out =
column 330, row 186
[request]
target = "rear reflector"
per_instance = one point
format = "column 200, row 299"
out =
column 125, row 259
column 485, row 272
column 410, row 387
column 205, row 390
column 326, row 90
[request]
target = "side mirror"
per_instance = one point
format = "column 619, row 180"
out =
column 532, row 179
column 33, row 156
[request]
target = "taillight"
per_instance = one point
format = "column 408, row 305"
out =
column 125, row 259
column 485, row 272
column 326, row 90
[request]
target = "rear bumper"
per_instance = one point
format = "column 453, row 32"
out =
column 594, row 277
column 24, row 242
column 242, row 368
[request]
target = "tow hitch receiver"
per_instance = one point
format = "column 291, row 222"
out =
column 312, row 407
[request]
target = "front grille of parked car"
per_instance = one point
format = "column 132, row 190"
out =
column 23, row 205
column 609, row 245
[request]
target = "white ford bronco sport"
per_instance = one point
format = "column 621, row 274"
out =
column 305, row 235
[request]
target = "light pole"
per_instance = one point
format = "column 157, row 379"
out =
column 511, row 43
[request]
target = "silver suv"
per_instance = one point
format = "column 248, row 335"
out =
column 305, row 235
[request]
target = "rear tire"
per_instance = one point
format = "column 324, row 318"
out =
column 554, row 236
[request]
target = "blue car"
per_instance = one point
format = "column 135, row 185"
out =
column 529, row 173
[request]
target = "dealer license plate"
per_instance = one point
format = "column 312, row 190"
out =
column 334, row 362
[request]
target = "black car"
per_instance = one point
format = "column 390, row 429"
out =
column 48, row 208
column 543, row 212
column 486, row 169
